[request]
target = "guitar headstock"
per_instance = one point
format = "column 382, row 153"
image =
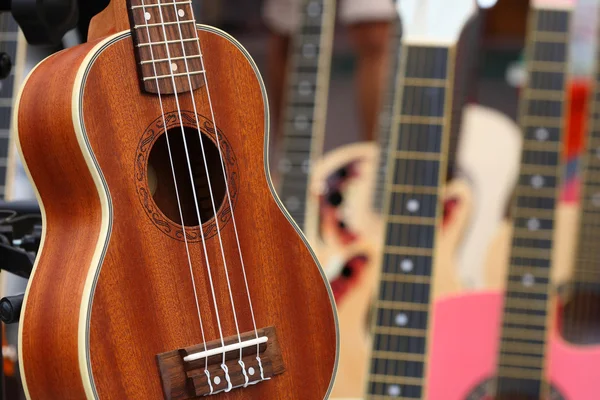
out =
column 434, row 21
column 558, row 4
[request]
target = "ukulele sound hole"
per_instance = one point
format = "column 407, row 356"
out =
column 162, row 185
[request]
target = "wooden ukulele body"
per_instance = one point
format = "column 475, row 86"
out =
column 111, row 288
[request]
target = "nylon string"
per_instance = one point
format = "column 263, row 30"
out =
column 176, row 186
column 226, row 181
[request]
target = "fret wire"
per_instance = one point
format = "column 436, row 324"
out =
column 393, row 355
column 417, row 155
column 404, row 380
column 544, row 94
column 411, row 119
column 552, row 37
column 400, row 305
column 178, row 41
column 187, row 57
column 525, row 361
column 162, row 4
column 389, row 330
column 405, row 278
column 160, row 24
column 150, row 78
column 516, row 372
column 408, row 251
column 406, row 219
column 413, row 189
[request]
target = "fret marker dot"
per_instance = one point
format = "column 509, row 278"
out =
column 542, row 134
column 148, row 16
column 401, row 319
column 304, row 88
column 528, row 280
column 313, row 9
column 173, row 67
column 309, row 50
column 292, row 203
column 533, row 224
column 306, row 166
column 181, row 13
column 407, row 265
column 217, row 380
column 537, row 181
column 412, row 206
column 394, row 390
column 251, row 371
column 301, row 122
column 596, row 199
column 285, row 165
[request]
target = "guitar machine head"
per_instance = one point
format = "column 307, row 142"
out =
column 44, row 22
column 438, row 22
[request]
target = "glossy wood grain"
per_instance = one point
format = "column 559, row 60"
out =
column 143, row 301
column 68, row 196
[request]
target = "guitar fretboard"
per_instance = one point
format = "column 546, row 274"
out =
column 587, row 265
column 385, row 121
column 304, row 117
column 416, row 169
column 526, row 305
column 465, row 56
column 9, row 32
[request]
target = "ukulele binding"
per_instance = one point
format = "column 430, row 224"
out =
column 184, row 373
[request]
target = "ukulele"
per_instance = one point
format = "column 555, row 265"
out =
column 168, row 267
column 507, row 344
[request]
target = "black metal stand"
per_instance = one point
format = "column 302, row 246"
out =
column 20, row 235
column 43, row 21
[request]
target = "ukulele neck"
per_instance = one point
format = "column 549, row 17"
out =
column 416, row 171
column 527, row 308
column 166, row 45
column 304, row 117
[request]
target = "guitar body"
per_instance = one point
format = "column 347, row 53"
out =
column 467, row 329
column 111, row 288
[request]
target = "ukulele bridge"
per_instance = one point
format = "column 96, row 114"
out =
column 198, row 371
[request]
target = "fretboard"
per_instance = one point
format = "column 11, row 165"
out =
column 9, row 32
column 587, row 256
column 306, row 103
column 416, row 170
column 166, row 45
column 542, row 119
column 386, row 118
column 466, row 54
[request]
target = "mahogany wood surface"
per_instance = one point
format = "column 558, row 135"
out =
column 70, row 200
column 113, row 19
column 143, row 302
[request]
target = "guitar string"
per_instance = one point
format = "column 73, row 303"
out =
column 183, row 136
column 227, row 190
column 175, row 184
